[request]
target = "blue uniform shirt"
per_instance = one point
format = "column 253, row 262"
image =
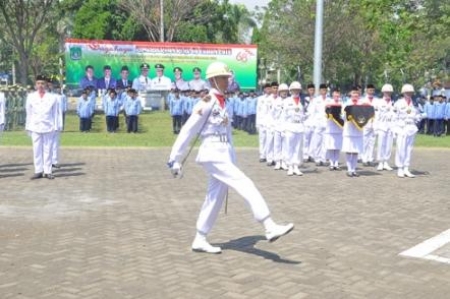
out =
column 188, row 105
column 447, row 110
column 132, row 106
column 430, row 110
column 251, row 105
column 84, row 107
column 111, row 107
column 176, row 106
column 439, row 110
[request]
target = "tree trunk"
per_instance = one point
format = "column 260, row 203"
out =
column 23, row 68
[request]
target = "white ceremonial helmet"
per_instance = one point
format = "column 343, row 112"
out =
column 217, row 69
column 283, row 87
column 407, row 88
column 295, row 85
column 387, row 88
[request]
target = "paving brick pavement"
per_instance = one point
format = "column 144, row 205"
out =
column 114, row 224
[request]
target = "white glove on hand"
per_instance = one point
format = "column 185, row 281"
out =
column 175, row 168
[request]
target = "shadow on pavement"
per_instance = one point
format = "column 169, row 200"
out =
column 247, row 245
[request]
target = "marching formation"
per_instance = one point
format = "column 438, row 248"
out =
column 293, row 130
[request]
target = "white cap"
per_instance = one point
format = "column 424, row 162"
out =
column 387, row 88
column 217, row 69
column 407, row 88
column 283, row 87
column 295, row 85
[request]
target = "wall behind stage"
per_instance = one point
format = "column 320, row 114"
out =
column 242, row 59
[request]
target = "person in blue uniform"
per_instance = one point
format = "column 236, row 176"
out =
column 107, row 81
column 132, row 108
column 438, row 129
column 176, row 111
column 84, row 111
column 111, row 108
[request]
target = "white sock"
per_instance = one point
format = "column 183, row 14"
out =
column 349, row 162
column 200, row 236
column 354, row 162
column 268, row 223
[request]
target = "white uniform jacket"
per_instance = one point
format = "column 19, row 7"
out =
column 384, row 115
column 294, row 116
column 43, row 114
column 406, row 118
column 212, row 123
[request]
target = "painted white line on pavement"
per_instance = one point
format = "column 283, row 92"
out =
column 424, row 249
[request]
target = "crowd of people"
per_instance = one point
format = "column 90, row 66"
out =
column 295, row 129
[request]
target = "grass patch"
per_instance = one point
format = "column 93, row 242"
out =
column 155, row 130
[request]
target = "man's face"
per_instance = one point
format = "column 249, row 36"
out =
column 107, row 73
column 41, row 85
column 222, row 82
column 409, row 94
column 323, row 91
column 144, row 72
column 197, row 75
column 274, row 89
column 371, row 91
column 177, row 74
column 354, row 95
column 283, row 94
column 311, row 91
column 295, row 92
column 336, row 95
column 387, row 95
column 90, row 73
column 159, row 72
column 124, row 74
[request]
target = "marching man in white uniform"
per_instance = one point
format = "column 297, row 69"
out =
column 216, row 155
column 294, row 117
column 43, row 119
column 405, row 129
column 311, row 89
column 270, row 124
column 367, row 156
column 384, row 117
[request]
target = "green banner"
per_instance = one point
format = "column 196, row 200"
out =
column 241, row 59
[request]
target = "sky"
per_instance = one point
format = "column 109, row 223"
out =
column 251, row 3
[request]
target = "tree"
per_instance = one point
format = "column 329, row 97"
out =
column 23, row 21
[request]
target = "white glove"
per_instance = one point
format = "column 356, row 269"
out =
column 175, row 168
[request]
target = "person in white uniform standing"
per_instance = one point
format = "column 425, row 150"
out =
column 384, row 117
column 316, row 111
column 333, row 131
column 279, row 150
column 216, row 155
column 352, row 140
column 262, row 109
column 270, row 124
column 406, row 129
column 294, row 117
column 367, row 156
column 43, row 119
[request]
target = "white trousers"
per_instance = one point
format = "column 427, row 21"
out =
column 262, row 142
column 384, row 146
column 403, row 150
column 352, row 161
column 278, row 146
column 368, row 145
column 55, row 151
column 223, row 175
column 307, row 142
column 269, row 145
column 333, row 156
column 294, row 148
column 317, row 146
column 42, row 151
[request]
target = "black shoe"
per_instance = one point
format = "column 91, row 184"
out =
column 262, row 160
column 319, row 164
column 366, row 164
column 337, row 168
column 49, row 176
column 355, row 174
column 332, row 168
column 37, row 176
column 57, row 166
